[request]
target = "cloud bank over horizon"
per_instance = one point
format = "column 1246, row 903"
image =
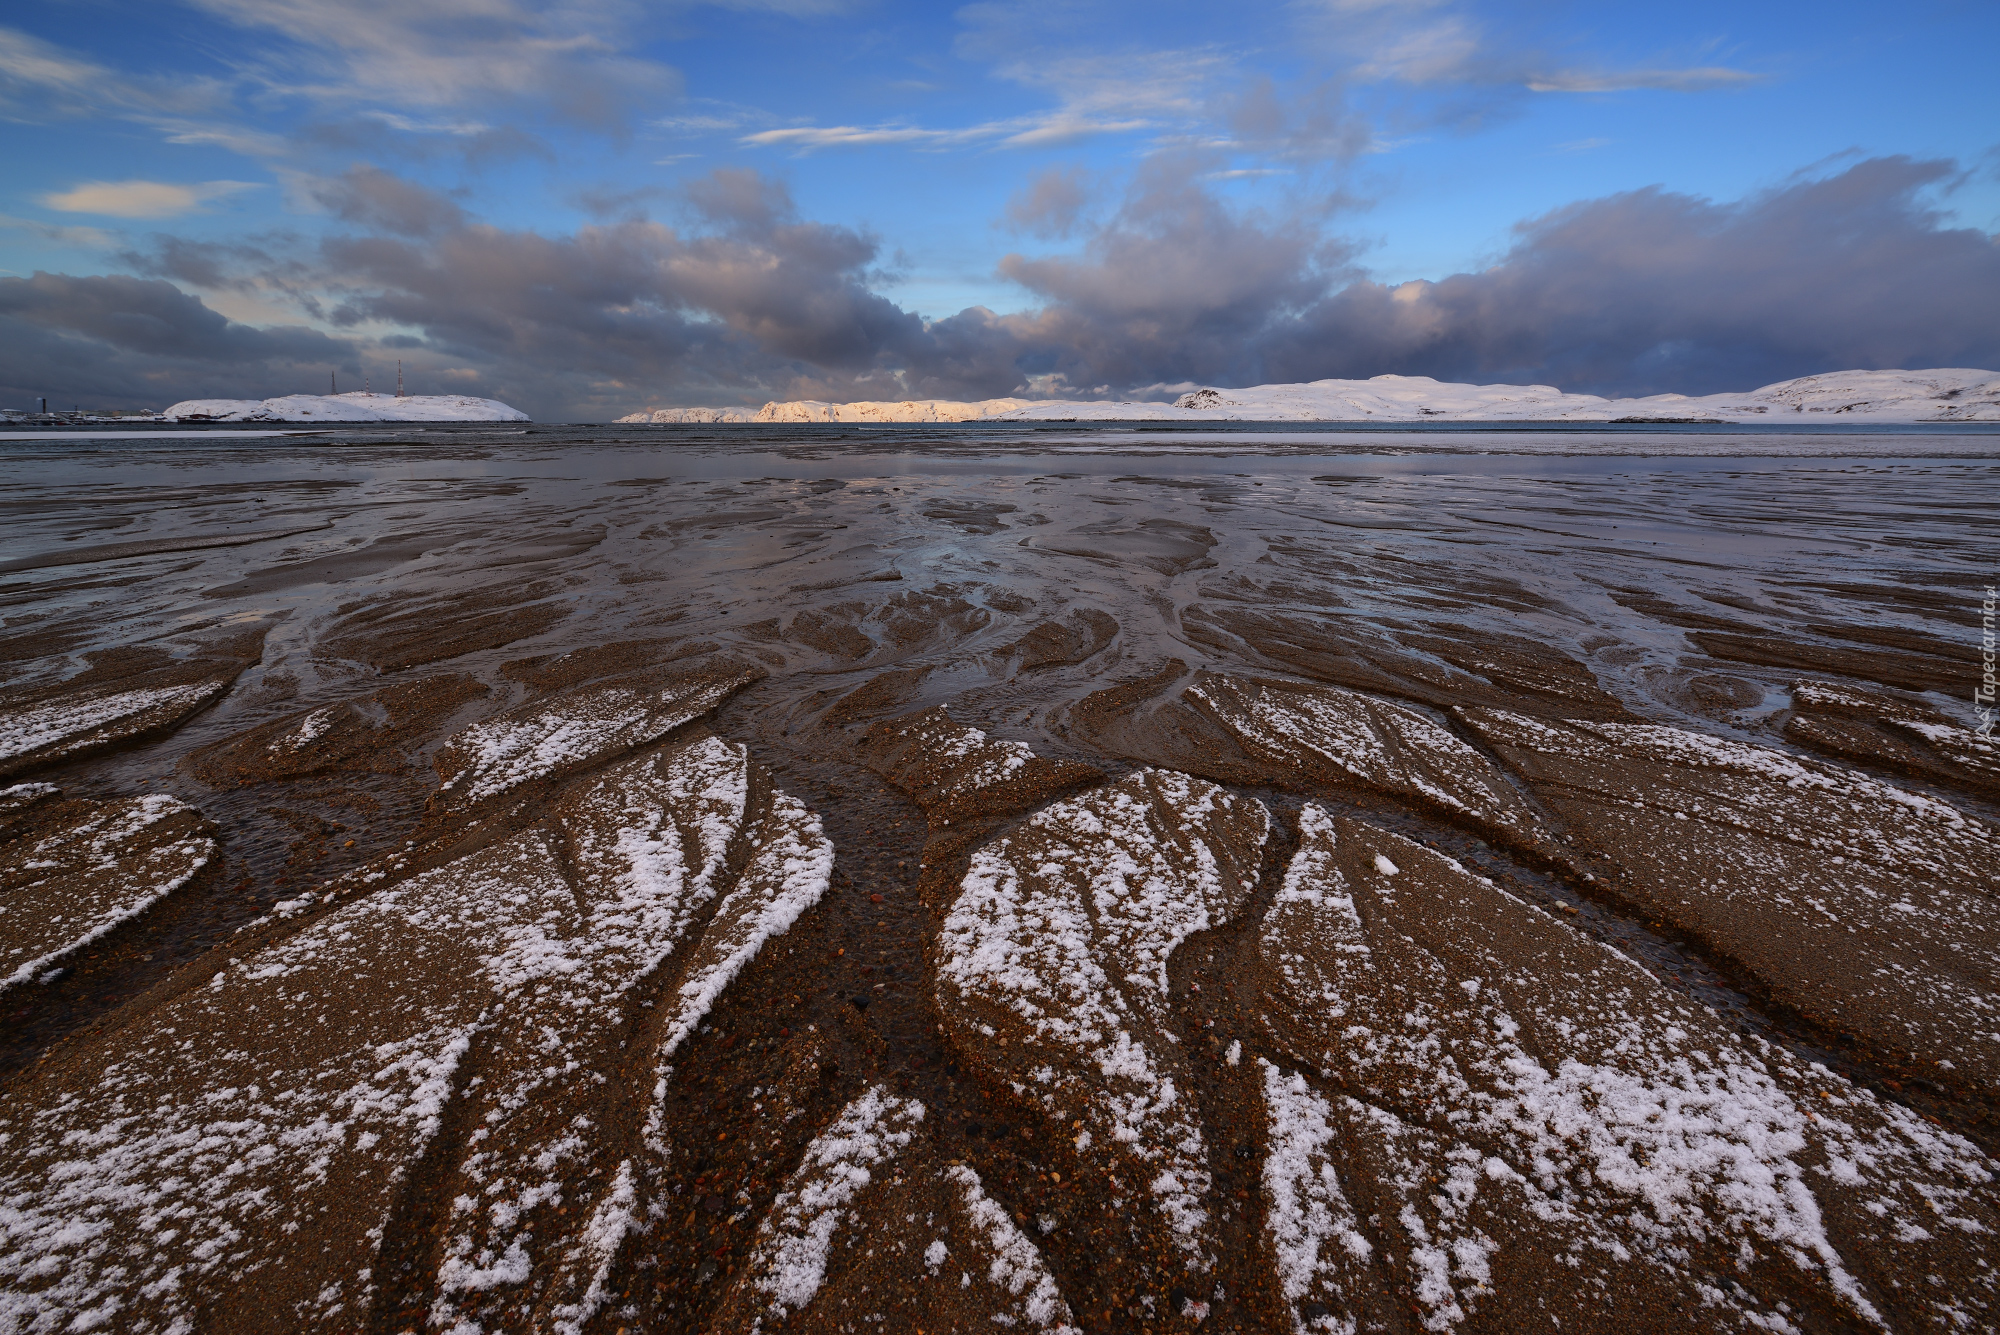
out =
column 584, row 207
column 1641, row 292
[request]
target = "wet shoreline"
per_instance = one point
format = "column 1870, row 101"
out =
column 1072, row 594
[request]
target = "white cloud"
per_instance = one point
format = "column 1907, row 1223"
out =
column 412, row 125
column 236, row 138
column 789, row 8
column 1064, row 128
column 142, row 199
column 26, row 60
column 1094, row 95
column 691, row 125
column 1619, row 81
column 1442, row 52
column 93, row 237
column 1437, row 44
column 1016, row 132
column 38, row 79
column 567, row 55
column 852, row 136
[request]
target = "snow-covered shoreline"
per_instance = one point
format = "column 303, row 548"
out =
column 1941, row 395
column 350, row 407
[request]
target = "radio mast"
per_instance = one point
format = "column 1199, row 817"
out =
column 399, row 377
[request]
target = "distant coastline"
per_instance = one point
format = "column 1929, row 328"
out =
column 1939, row 395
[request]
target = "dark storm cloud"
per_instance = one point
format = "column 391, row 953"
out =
column 116, row 341
column 1051, row 205
column 384, row 201
column 748, row 302
column 210, row 264
column 1651, row 292
column 1177, row 286
column 1631, row 294
column 755, row 302
column 1636, row 293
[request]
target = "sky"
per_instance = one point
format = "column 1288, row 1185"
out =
column 591, row 207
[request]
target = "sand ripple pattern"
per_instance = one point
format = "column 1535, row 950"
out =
column 1513, row 1100
column 1054, row 971
column 1325, row 733
column 550, row 738
column 1862, row 905
column 248, row 1143
column 873, row 1225
column 70, row 871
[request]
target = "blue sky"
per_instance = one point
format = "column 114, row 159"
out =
column 343, row 170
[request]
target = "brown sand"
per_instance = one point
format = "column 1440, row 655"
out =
column 900, row 887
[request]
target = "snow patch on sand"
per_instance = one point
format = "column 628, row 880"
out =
column 788, row 874
column 67, row 888
column 1382, row 745
column 1017, row 1266
column 62, row 725
column 1633, row 1124
column 548, row 738
column 1315, row 1234
column 1064, row 930
column 796, row 1238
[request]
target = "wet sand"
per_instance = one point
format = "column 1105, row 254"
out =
column 825, row 879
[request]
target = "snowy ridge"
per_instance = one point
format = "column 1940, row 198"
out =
column 872, row 1199
column 156, row 1186
column 817, row 410
column 106, row 864
column 1776, row 860
column 181, row 1169
column 796, row 1238
column 647, row 843
column 43, row 726
column 1017, row 1267
column 38, row 734
column 788, row 871
column 1061, row 933
column 1518, row 1088
column 1316, row 1236
column 1381, row 745
column 547, row 738
column 350, row 407
column 1943, row 395
column 954, row 770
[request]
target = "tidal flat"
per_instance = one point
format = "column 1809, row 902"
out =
column 830, row 879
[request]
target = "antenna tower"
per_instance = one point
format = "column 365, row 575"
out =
column 399, row 377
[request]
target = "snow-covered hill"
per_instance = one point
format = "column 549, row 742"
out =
column 353, row 407
column 1875, row 396
column 816, row 410
column 666, row 415
column 1948, row 395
